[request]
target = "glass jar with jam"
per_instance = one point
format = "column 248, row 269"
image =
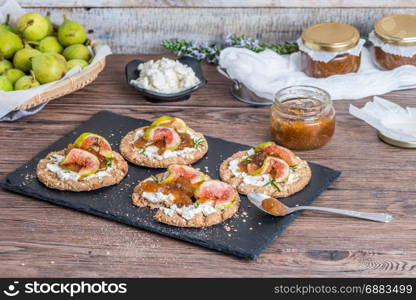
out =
column 394, row 41
column 328, row 49
column 302, row 117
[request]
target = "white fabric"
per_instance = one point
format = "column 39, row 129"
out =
column 389, row 118
column 325, row 56
column 10, row 100
column 406, row 51
column 266, row 73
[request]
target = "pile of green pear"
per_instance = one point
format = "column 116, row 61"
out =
column 36, row 52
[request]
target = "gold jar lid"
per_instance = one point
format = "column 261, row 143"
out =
column 331, row 37
column 397, row 30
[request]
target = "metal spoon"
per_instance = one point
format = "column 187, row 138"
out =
column 257, row 200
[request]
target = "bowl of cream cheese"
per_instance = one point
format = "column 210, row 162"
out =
column 165, row 80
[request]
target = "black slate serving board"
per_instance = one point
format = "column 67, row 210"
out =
column 254, row 229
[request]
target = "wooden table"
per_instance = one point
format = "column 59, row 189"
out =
column 39, row 239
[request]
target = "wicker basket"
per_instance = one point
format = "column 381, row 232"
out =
column 69, row 85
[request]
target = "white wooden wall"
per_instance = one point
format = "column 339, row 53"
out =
column 138, row 26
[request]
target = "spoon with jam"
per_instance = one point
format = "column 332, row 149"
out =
column 276, row 208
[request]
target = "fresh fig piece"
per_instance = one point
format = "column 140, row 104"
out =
column 276, row 167
column 49, row 67
column 50, row 44
column 26, row 82
column 173, row 122
column 270, row 148
column 176, row 171
column 91, row 141
column 22, row 58
column 217, row 191
column 77, row 62
column 88, row 162
column 5, row 84
column 33, row 26
column 77, row 51
column 13, row 75
column 168, row 135
column 4, row 65
column 10, row 43
column 70, row 33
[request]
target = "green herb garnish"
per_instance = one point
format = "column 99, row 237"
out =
column 155, row 179
column 197, row 204
column 273, row 184
column 294, row 168
column 108, row 162
column 247, row 159
column 198, row 142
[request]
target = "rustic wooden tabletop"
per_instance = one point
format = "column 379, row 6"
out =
column 39, row 239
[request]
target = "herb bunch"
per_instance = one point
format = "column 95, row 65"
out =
column 210, row 52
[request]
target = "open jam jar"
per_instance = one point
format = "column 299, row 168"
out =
column 302, row 117
column 330, row 49
column 394, row 41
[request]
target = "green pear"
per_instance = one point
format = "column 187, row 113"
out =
column 50, row 44
column 33, row 26
column 5, row 84
column 10, row 43
column 49, row 67
column 26, row 82
column 77, row 62
column 77, row 51
column 70, row 33
column 22, row 58
column 13, row 74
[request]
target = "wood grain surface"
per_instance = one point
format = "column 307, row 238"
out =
column 218, row 3
column 39, row 239
column 140, row 26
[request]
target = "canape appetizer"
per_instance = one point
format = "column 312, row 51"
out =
column 87, row 164
column 186, row 197
column 268, row 168
column 166, row 141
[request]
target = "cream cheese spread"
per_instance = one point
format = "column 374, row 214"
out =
column 152, row 151
column 70, row 175
column 189, row 211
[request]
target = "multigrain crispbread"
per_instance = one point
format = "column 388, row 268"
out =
column 135, row 156
column 189, row 215
column 303, row 176
column 52, row 180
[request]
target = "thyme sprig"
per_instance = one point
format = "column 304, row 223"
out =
column 247, row 159
column 294, row 168
column 198, row 142
column 211, row 52
column 155, row 179
column 108, row 162
column 273, row 183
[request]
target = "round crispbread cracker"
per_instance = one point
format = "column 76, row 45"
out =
column 198, row 221
column 133, row 155
column 52, row 180
column 304, row 173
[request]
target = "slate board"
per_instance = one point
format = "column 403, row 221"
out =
column 255, row 230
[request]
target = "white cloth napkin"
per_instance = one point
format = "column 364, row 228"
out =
column 266, row 72
column 10, row 100
column 389, row 118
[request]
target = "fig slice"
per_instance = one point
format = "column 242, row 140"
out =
column 88, row 162
column 270, row 148
column 276, row 167
column 91, row 141
column 173, row 122
column 176, row 171
column 221, row 193
column 170, row 137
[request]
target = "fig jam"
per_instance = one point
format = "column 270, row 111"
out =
column 341, row 64
column 274, row 206
column 303, row 122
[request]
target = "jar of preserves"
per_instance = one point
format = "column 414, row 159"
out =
column 394, row 41
column 302, row 117
column 328, row 49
